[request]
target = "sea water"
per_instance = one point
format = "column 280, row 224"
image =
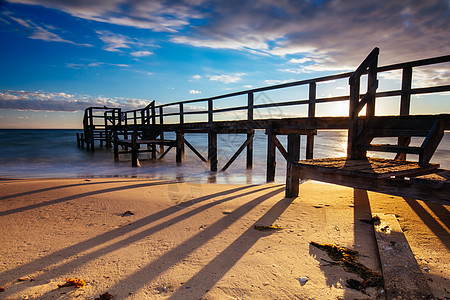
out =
column 50, row 153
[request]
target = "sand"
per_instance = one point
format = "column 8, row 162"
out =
column 198, row 241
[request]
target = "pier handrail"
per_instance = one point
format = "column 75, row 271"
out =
column 406, row 67
column 155, row 114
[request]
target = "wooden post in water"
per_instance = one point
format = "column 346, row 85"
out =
column 82, row 140
column 134, row 149
column 212, row 139
column 180, row 147
column 250, row 133
column 293, row 156
column 161, row 122
column 271, row 155
column 78, row 140
column 91, row 130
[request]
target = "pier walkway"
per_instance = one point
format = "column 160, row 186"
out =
column 144, row 130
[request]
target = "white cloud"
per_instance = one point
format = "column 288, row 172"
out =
column 194, row 92
column 196, row 77
column 141, row 53
column 227, row 78
column 45, row 101
column 113, row 41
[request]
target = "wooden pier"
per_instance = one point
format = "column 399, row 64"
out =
column 143, row 130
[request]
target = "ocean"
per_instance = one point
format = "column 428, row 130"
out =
column 53, row 153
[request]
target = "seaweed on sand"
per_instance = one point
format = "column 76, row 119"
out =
column 348, row 259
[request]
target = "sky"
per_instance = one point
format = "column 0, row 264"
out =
column 59, row 57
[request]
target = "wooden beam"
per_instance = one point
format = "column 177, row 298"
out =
column 194, row 150
column 235, row 155
column 280, row 147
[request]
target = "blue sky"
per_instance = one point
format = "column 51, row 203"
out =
column 58, row 57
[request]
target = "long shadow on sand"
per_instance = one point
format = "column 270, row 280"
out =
column 177, row 254
column 209, row 275
column 75, row 250
column 72, row 197
column 441, row 212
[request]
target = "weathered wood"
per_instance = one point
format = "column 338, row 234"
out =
column 293, row 155
column 180, row 147
column 235, row 155
column 78, row 140
column 368, row 168
column 402, row 276
column 194, row 150
column 309, row 146
column 312, row 100
column 250, row 136
column 165, row 153
column 392, row 148
column 212, row 151
column 400, row 186
column 134, row 150
column 271, row 156
column 431, row 142
column 280, row 147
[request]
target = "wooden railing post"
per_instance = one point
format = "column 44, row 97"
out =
column 356, row 134
column 405, row 104
column 181, row 114
column 180, row 147
column 311, row 114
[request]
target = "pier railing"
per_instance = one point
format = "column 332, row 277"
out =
column 175, row 116
column 179, row 108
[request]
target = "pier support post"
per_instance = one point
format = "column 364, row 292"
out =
column 250, row 136
column 134, row 150
column 82, row 140
column 116, row 147
column 212, row 150
column 180, row 147
column 78, row 140
column 291, row 173
column 271, row 158
column 309, row 145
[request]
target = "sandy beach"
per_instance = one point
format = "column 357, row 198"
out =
column 142, row 239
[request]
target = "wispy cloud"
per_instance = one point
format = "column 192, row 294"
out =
column 194, row 92
column 227, row 78
column 41, row 32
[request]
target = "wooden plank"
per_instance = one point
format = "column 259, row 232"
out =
column 392, row 148
column 403, row 278
column 371, row 167
column 394, row 186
